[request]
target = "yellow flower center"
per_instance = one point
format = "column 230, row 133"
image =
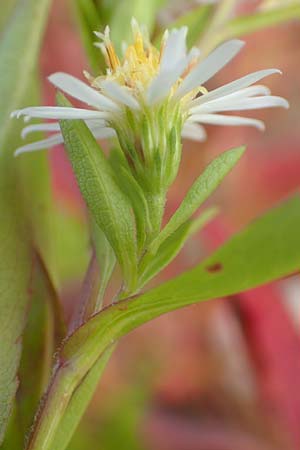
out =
column 138, row 67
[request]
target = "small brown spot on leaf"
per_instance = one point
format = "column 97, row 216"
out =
column 213, row 268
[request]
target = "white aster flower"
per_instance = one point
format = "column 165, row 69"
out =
column 149, row 95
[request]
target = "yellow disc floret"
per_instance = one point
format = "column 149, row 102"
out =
column 139, row 65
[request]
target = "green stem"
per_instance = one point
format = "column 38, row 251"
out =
column 80, row 401
column 58, row 396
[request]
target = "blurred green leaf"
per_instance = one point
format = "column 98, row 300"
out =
column 110, row 207
column 6, row 10
column 202, row 188
column 43, row 333
column 118, row 423
column 196, row 20
column 71, row 242
column 250, row 23
column 89, row 18
column 19, row 48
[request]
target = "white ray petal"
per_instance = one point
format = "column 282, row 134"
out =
column 242, row 93
column 194, row 53
column 98, row 131
column 40, row 145
column 161, row 85
column 218, row 119
column 95, row 123
column 250, row 91
column 119, row 93
column 194, row 132
column 226, row 104
column 175, row 49
column 207, row 68
column 235, row 86
column 57, row 112
column 103, row 133
column 81, row 91
column 46, row 127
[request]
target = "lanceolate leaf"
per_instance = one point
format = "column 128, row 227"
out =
column 268, row 249
column 111, row 209
column 199, row 192
column 19, row 47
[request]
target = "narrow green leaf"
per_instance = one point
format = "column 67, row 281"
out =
column 79, row 402
column 110, row 208
column 134, row 192
column 106, row 260
column 43, row 333
column 19, row 47
column 202, row 188
column 151, row 265
column 243, row 25
column 267, row 250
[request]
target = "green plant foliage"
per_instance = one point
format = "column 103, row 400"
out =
column 242, row 25
column 202, row 188
column 6, row 10
column 134, row 192
column 43, row 332
column 196, row 20
column 267, row 250
column 120, row 422
column 143, row 11
column 70, row 236
column 79, row 402
column 151, row 265
column 106, row 259
column 89, row 19
column 18, row 53
column 110, row 208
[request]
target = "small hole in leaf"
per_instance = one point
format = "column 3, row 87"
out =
column 213, row 268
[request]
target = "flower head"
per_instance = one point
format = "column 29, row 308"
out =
column 149, row 98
